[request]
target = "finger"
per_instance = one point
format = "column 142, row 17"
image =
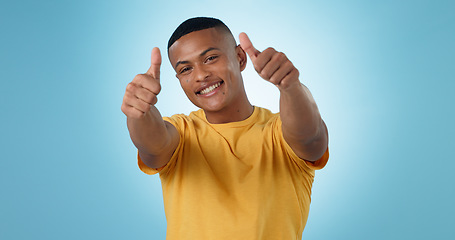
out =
column 139, row 104
column 247, row 46
column 284, row 70
column 289, row 79
column 131, row 112
column 154, row 69
column 128, row 109
column 264, row 60
column 141, row 93
column 269, row 70
column 148, row 82
column 146, row 96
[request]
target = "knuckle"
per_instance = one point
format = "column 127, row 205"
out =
column 158, row 87
column 289, row 66
column 127, row 97
column 130, row 87
column 139, row 78
column 145, row 107
column 263, row 75
column 258, row 68
column 141, row 106
column 274, row 81
column 281, row 56
column 284, row 85
column 151, row 98
column 123, row 108
column 270, row 49
column 130, row 112
column 266, row 74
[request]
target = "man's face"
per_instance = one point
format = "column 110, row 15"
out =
column 209, row 65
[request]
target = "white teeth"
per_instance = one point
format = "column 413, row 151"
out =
column 209, row 89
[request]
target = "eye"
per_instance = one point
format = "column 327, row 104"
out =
column 184, row 69
column 211, row 58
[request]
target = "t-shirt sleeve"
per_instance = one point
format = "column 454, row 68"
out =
column 310, row 165
column 320, row 163
column 146, row 169
column 174, row 120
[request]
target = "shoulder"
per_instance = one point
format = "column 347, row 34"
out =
column 268, row 118
column 263, row 111
column 181, row 120
column 265, row 114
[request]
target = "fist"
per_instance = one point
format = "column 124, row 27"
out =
column 271, row 65
column 141, row 93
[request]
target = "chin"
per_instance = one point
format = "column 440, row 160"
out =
column 213, row 105
column 211, row 108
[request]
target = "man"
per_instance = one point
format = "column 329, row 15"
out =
column 229, row 170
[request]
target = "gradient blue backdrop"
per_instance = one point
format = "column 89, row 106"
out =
column 382, row 73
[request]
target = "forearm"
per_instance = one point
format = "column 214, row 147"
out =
column 149, row 133
column 302, row 125
column 155, row 139
column 299, row 113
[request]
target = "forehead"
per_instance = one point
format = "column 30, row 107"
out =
column 194, row 43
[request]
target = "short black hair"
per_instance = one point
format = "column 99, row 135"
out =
column 196, row 24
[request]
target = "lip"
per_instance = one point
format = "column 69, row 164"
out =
column 206, row 85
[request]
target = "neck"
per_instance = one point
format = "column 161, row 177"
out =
column 232, row 114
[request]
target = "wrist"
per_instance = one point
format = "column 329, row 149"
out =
column 290, row 88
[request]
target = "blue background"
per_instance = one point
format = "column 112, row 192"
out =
column 382, row 73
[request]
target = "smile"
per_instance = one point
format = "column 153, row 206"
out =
column 210, row 89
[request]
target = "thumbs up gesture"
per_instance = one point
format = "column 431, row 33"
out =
column 142, row 92
column 271, row 65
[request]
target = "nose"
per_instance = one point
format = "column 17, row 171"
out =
column 201, row 73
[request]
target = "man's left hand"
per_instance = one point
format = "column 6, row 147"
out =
column 271, row 65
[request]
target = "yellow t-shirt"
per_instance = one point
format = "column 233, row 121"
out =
column 238, row 180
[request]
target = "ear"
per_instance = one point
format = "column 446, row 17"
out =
column 241, row 57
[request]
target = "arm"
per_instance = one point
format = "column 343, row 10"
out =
column 154, row 138
column 303, row 128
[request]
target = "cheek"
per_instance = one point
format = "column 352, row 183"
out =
column 233, row 73
column 184, row 80
column 186, row 86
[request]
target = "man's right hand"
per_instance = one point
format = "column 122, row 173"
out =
column 142, row 92
column 154, row 138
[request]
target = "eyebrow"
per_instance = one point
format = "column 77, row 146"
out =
column 200, row 55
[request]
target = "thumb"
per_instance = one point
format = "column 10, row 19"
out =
column 154, row 69
column 247, row 46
